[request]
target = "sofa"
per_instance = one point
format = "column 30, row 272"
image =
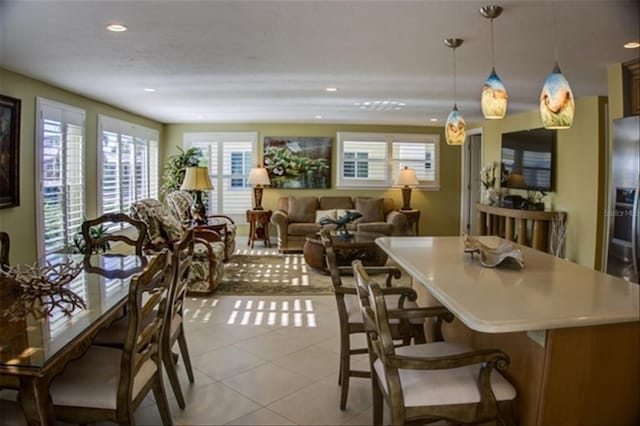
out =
column 297, row 217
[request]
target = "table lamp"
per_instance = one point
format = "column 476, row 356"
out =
column 407, row 178
column 258, row 178
column 197, row 179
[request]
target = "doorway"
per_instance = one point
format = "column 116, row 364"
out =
column 470, row 192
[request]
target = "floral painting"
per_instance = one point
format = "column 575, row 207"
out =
column 9, row 151
column 298, row 162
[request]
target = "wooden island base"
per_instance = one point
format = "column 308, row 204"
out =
column 582, row 376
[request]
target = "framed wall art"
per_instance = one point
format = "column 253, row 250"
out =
column 298, row 162
column 9, row 152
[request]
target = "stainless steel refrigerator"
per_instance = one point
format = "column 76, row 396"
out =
column 623, row 257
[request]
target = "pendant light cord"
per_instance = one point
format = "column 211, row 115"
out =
column 454, row 76
column 555, row 33
column 493, row 48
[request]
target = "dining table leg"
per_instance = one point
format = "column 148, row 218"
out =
column 36, row 401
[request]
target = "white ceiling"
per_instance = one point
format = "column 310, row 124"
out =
column 270, row 61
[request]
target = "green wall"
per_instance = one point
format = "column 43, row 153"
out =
column 440, row 210
column 579, row 173
column 20, row 222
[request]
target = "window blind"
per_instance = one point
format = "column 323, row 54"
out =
column 60, row 175
column 374, row 160
column 229, row 158
column 128, row 158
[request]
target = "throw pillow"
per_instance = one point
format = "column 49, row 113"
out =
column 372, row 209
column 331, row 214
column 342, row 212
column 302, row 209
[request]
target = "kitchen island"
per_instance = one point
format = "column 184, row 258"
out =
column 573, row 334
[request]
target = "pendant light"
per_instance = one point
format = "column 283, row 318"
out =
column 494, row 94
column 454, row 130
column 557, row 104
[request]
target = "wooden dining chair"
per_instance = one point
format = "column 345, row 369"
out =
column 350, row 317
column 4, row 250
column 108, row 383
column 181, row 260
column 436, row 381
column 92, row 243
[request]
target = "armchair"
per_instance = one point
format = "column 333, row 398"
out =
column 180, row 202
column 163, row 230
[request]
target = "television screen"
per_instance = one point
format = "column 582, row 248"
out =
column 528, row 159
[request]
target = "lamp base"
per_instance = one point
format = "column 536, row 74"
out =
column 198, row 210
column 257, row 197
column 406, row 198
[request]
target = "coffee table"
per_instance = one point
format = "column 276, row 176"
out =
column 362, row 247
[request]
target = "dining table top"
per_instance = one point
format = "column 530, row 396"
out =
column 29, row 340
column 547, row 293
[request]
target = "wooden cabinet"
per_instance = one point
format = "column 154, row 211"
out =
column 527, row 227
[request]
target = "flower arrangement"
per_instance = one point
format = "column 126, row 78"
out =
column 488, row 175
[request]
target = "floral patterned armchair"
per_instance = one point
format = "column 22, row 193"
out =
column 163, row 230
column 180, row 203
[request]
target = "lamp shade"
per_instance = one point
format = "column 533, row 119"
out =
column 455, row 131
column 259, row 176
column 557, row 105
column 494, row 97
column 196, row 179
column 407, row 177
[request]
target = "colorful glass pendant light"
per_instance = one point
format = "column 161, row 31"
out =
column 494, row 95
column 557, row 105
column 454, row 131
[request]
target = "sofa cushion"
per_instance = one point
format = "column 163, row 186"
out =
column 371, row 209
column 344, row 203
column 302, row 209
column 331, row 214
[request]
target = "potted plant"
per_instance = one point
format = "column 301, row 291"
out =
column 175, row 168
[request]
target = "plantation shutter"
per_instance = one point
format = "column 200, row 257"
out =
column 129, row 164
column 419, row 156
column 229, row 158
column 60, row 175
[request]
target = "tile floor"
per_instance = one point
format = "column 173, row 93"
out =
column 264, row 361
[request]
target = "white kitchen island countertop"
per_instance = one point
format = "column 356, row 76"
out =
column 547, row 293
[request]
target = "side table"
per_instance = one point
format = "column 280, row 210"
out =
column 413, row 216
column 259, row 226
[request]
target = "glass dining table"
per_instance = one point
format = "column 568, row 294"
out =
column 34, row 347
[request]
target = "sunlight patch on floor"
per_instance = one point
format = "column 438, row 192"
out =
column 298, row 313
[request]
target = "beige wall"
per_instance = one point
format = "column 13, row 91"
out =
column 579, row 173
column 20, row 222
column 440, row 210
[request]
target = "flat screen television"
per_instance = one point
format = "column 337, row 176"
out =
column 528, row 158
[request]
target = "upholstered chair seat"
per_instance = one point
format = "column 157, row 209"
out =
column 83, row 385
column 163, row 230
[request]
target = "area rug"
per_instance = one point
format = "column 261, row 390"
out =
column 272, row 274
column 280, row 274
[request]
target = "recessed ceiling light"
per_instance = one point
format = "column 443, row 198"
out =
column 117, row 28
column 319, row 117
column 331, row 89
column 149, row 89
column 199, row 116
column 632, row 45
column 433, row 119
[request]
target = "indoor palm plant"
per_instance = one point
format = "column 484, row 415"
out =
column 175, row 168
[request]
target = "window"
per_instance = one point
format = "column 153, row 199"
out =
column 230, row 158
column 128, row 158
column 60, row 174
column 373, row 160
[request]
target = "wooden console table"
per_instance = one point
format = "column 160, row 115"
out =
column 501, row 221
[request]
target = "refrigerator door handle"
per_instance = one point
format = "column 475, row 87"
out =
column 634, row 231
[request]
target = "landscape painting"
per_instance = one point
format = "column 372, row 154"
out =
column 298, row 162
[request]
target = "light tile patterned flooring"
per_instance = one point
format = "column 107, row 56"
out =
column 264, row 361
